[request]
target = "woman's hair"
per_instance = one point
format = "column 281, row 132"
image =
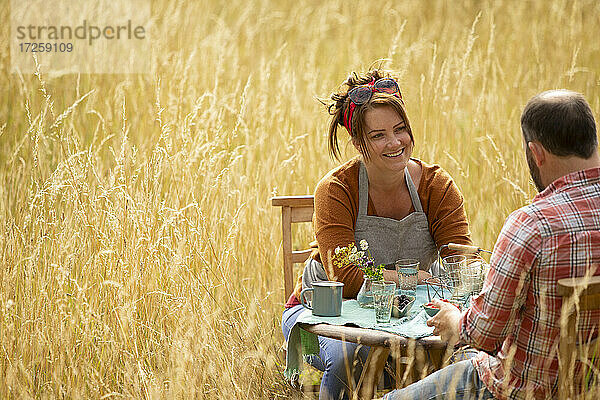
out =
column 357, row 124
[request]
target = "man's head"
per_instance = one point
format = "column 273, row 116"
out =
column 557, row 124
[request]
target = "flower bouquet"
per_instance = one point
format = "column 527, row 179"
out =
column 350, row 255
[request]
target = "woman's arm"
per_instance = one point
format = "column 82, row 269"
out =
column 334, row 220
column 444, row 205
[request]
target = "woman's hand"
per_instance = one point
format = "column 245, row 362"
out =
column 390, row 275
column 422, row 275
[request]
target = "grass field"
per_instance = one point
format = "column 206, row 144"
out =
column 139, row 253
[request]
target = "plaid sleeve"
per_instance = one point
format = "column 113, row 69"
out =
column 492, row 313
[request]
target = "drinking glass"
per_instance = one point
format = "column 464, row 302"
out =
column 472, row 276
column 407, row 269
column 453, row 267
column 383, row 297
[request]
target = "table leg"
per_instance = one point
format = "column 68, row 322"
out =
column 371, row 372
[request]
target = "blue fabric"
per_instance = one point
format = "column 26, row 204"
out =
column 457, row 381
column 330, row 359
column 412, row 326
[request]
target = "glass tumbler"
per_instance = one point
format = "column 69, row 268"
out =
column 407, row 269
column 383, row 297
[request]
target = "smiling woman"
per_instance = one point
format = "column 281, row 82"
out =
column 403, row 207
column 389, row 143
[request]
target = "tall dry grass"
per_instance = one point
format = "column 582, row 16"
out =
column 140, row 257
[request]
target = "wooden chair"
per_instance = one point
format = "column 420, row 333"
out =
column 579, row 294
column 294, row 209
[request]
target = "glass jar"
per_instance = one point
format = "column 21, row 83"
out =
column 365, row 294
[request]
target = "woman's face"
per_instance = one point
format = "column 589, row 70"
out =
column 389, row 143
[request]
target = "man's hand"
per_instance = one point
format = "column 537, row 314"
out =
column 446, row 322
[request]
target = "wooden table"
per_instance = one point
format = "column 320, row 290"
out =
column 381, row 344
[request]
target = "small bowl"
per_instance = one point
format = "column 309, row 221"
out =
column 431, row 311
column 398, row 312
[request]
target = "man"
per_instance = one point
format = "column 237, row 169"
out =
column 515, row 320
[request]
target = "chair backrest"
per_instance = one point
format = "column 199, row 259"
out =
column 294, row 209
column 579, row 294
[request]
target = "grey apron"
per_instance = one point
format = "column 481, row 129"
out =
column 389, row 239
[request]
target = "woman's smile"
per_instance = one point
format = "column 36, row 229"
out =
column 395, row 154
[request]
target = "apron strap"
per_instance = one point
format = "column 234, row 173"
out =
column 363, row 190
column 414, row 196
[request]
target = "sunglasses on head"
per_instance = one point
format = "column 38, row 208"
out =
column 362, row 94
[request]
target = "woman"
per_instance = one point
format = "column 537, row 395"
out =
column 403, row 207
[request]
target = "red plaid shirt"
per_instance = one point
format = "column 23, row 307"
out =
column 516, row 316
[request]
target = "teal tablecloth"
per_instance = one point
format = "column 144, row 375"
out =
column 302, row 342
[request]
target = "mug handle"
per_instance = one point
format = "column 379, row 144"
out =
column 303, row 299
